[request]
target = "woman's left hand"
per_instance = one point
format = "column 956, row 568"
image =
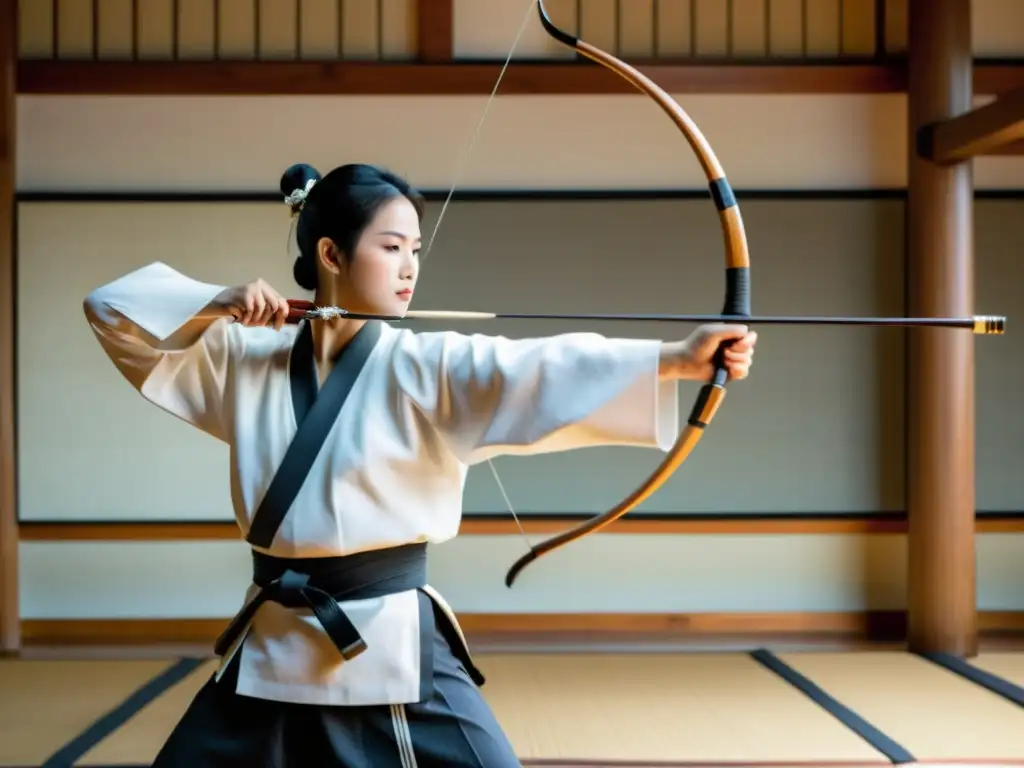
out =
column 698, row 351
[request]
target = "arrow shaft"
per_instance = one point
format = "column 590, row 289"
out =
column 979, row 324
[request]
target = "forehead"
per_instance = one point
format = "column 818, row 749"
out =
column 398, row 215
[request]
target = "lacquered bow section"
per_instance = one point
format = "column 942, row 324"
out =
column 736, row 305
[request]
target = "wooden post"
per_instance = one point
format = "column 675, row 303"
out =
column 10, row 618
column 436, row 30
column 940, row 363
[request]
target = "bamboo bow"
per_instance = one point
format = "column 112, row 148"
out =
column 736, row 305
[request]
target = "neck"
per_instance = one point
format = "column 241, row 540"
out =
column 330, row 337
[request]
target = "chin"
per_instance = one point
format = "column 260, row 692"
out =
column 393, row 309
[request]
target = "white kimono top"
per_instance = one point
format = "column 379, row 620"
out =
column 425, row 407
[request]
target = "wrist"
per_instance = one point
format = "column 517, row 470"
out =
column 675, row 362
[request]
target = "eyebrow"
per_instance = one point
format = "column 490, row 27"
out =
column 399, row 235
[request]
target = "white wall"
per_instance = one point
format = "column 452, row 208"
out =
column 97, row 143
column 123, row 459
column 604, row 573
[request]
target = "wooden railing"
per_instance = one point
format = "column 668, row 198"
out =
column 294, row 47
column 218, row 30
column 388, row 30
column 689, row 31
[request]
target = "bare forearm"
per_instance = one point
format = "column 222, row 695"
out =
column 674, row 362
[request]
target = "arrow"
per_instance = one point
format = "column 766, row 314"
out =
column 984, row 325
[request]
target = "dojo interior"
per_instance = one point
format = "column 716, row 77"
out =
column 803, row 591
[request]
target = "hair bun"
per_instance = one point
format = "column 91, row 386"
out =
column 296, row 181
column 304, row 272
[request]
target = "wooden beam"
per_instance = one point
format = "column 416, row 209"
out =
column 743, row 525
column 435, row 21
column 530, row 629
column 360, row 78
column 1014, row 148
column 304, row 78
column 120, row 531
column 940, row 393
column 982, row 131
column 10, row 620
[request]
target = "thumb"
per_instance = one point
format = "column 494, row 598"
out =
column 726, row 331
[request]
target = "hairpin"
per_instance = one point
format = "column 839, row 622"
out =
column 297, row 199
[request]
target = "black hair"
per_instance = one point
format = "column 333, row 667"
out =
column 338, row 206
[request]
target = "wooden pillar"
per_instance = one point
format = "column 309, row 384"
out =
column 436, row 20
column 940, row 363
column 10, row 621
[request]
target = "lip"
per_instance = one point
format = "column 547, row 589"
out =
column 404, row 295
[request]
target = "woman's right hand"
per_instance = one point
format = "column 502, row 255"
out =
column 254, row 304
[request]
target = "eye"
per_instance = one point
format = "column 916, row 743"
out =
column 392, row 248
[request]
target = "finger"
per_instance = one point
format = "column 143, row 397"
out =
column 737, row 371
column 281, row 315
column 749, row 341
column 269, row 310
column 278, row 317
column 248, row 306
column 739, row 348
column 259, row 305
column 727, row 331
column 274, row 313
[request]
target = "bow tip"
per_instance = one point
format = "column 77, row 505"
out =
column 549, row 26
column 517, row 567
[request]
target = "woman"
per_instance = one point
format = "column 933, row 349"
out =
column 343, row 655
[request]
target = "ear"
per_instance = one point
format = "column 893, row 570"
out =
column 328, row 255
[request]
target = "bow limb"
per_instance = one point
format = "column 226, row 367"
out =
column 737, row 294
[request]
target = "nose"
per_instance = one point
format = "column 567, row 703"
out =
column 408, row 268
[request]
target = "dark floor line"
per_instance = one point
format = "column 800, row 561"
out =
column 70, row 753
column 892, row 750
column 997, row 685
column 619, row 763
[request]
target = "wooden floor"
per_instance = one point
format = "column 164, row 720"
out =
column 655, row 707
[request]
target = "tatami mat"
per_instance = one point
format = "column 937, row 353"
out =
column 140, row 738
column 670, row 708
column 588, row 709
column 935, row 714
column 1009, row 666
column 45, row 704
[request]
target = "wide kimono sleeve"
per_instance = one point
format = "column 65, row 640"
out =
column 146, row 322
column 490, row 395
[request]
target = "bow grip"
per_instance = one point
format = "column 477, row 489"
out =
column 737, row 303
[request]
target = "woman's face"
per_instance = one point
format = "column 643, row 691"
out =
column 381, row 275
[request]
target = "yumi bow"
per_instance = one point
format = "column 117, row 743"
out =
column 736, row 304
